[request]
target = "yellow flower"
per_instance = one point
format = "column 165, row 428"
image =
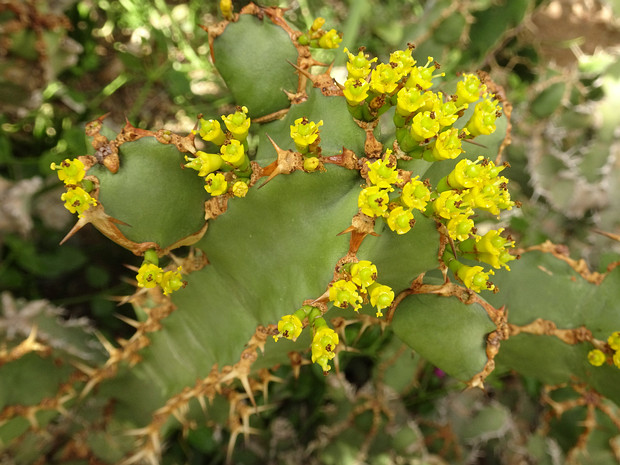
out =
column 355, row 91
column 238, row 123
column 383, row 173
column 289, row 327
column 596, row 357
column 475, row 278
column 424, row 126
column 466, row 174
column 311, row 164
column 233, row 153
column 384, row 79
column 71, row 172
column 305, row 133
column 447, row 145
column 403, row 60
column 450, row 204
column 492, row 242
column 400, row 220
column 469, row 89
column 77, row 200
column 344, row 294
column 447, row 113
column 421, row 76
column 415, row 194
column 614, row 340
column 408, row 100
column 317, row 24
column 171, row 281
column 331, row 39
column 149, row 275
column 216, row 184
column 373, row 201
column 363, row 273
column 490, row 249
column 240, row 189
column 324, row 345
column 204, row 163
column 226, row 7
column 460, row 227
column 381, row 297
column 211, row 131
column 482, row 122
column 358, row 65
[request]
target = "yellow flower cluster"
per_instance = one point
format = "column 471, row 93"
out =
column 598, row 357
column 151, row 275
column 374, row 200
column 424, row 121
column 317, row 37
column 72, row 173
column 360, row 283
column 231, row 166
column 324, row 341
column 470, row 186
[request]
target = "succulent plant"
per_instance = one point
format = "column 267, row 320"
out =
column 331, row 215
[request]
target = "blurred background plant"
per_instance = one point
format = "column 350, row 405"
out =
column 64, row 63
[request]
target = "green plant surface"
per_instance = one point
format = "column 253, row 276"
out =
column 265, row 53
column 569, row 302
column 446, row 332
column 177, row 193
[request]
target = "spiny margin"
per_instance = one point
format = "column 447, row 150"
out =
column 467, row 297
column 592, row 401
column 218, row 382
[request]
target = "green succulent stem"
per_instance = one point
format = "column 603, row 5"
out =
column 150, row 256
column 314, row 314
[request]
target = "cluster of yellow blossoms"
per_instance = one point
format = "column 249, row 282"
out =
column 317, row 37
column 359, row 285
column 424, row 122
column 611, row 354
column 77, row 199
column 470, row 186
column 474, row 185
column 230, row 168
column 324, row 340
column 375, row 201
column 151, row 275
